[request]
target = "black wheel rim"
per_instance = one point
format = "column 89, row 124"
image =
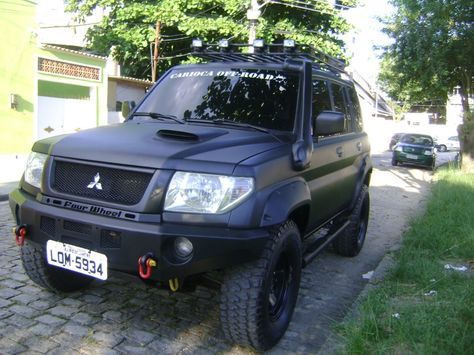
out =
column 279, row 286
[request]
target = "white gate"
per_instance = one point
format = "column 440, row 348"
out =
column 58, row 116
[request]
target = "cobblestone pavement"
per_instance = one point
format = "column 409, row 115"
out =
column 116, row 316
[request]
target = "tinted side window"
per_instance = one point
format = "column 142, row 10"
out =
column 321, row 98
column 340, row 105
column 356, row 109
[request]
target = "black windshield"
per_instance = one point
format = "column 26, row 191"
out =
column 264, row 98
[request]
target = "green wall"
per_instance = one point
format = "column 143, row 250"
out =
column 19, row 76
column 18, row 33
column 65, row 91
column 99, row 92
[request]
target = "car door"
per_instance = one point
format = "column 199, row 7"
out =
column 331, row 177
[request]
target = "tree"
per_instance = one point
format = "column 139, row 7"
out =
column 432, row 52
column 130, row 26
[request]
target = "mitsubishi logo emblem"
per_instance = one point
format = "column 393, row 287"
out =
column 95, row 183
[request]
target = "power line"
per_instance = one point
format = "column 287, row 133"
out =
column 175, row 39
column 70, row 26
column 302, row 5
column 174, row 56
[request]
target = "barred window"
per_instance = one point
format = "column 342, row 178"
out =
column 68, row 69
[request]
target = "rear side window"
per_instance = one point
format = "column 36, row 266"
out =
column 341, row 105
column 321, row 98
column 355, row 109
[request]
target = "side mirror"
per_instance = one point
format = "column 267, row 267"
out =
column 329, row 122
column 127, row 107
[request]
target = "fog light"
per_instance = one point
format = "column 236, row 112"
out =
column 183, row 247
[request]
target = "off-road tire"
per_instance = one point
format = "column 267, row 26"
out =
column 253, row 311
column 50, row 277
column 394, row 162
column 351, row 240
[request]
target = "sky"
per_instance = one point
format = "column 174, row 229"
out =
column 366, row 34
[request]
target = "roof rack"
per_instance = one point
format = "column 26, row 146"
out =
column 259, row 52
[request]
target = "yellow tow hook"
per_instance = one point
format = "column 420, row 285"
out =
column 174, row 284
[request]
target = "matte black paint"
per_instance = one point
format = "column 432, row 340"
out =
column 293, row 172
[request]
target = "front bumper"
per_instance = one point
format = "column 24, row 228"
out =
column 124, row 242
column 423, row 160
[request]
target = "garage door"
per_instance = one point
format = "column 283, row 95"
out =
column 64, row 115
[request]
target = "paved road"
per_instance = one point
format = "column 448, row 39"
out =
column 117, row 317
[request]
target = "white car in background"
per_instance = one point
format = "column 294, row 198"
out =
column 449, row 143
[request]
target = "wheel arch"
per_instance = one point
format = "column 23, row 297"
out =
column 289, row 201
column 363, row 178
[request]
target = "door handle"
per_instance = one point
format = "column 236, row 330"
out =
column 339, row 151
column 359, row 146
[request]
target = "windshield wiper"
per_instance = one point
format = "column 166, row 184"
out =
column 239, row 124
column 157, row 116
column 229, row 123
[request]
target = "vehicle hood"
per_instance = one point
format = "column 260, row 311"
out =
column 191, row 147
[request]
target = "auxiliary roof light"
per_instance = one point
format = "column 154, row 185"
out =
column 258, row 43
column 289, row 43
column 224, row 43
column 197, row 44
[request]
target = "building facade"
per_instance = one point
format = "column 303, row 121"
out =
column 45, row 90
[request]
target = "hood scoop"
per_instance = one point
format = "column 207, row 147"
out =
column 191, row 134
column 178, row 135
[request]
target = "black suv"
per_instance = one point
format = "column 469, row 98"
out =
column 232, row 165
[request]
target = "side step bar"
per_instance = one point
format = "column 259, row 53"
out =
column 309, row 256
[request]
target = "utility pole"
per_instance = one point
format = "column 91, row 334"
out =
column 156, row 51
column 252, row 15
column 376, row 104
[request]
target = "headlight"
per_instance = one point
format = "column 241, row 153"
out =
column 206, row 193
column 398, row 149
column 428, row 152
column 34, row 168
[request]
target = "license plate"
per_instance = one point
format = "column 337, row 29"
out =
column 77, row 259
column 411, row 156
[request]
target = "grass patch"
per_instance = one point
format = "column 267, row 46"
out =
column 399, row 317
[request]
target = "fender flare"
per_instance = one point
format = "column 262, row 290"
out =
column 365, row 172
column 283, row 201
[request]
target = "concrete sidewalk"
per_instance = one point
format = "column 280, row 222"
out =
column 11, row 169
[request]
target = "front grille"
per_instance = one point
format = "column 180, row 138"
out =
column 124, row 187
column 413, row 150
